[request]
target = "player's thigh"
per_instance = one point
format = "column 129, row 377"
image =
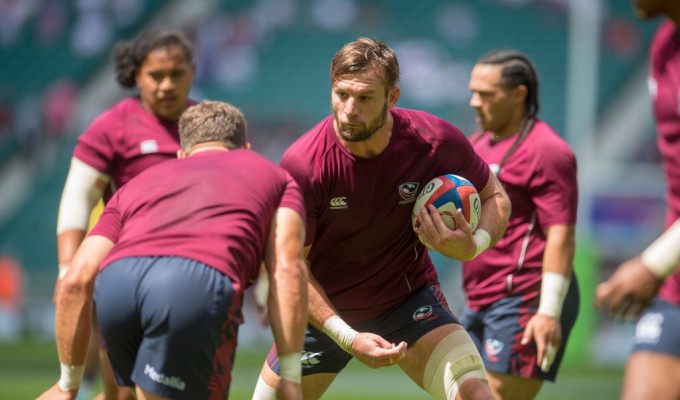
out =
column 321, row 360
column 313, row 386
column 504, row 323
column 417, row 355
column 511, row 387
column 473, row 322
column 422, row 321
column 144, row 395
column 116, row 311
column 657, row 329
column 446, row 363
column 651, row 376
column 653, row 368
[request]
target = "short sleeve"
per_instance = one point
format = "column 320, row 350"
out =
column 554, row 187
column 110, row 223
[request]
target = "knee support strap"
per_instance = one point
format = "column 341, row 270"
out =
column 454, row 361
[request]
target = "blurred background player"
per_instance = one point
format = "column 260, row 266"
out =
column 134, row 134
column 374, row 291
column 653, row 367
column 165, row 233
column 522, row 297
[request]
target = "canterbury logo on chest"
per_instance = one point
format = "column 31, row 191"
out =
column 407, row 192
column 338, row 203
column 148, row 146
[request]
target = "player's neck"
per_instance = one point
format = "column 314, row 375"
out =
column 509, row 130
column 208, row 146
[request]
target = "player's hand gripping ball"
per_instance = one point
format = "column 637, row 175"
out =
column 448, row 193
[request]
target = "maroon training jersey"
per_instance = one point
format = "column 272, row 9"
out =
column 214, row 207
column 540, row 180
column 664, row 85
column 125, row 140
column 364, row 251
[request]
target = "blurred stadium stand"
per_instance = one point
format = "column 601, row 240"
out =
column 271, row 58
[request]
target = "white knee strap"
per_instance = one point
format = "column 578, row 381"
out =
column 454, row 361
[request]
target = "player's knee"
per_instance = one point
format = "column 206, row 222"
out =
column 263, row 390
column 454, row 361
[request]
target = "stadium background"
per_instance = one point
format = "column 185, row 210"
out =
column 271, row 58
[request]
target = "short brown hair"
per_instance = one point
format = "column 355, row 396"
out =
column 366, row 55
column 212, row 121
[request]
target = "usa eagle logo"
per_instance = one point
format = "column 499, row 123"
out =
column 408, row 192
column 422, row 313
column 493, row 347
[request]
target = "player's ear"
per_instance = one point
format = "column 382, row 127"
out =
column 247, row 146
column 181, row 154
column 520, row 93
column 393, row 96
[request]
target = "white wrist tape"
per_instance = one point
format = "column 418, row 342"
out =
column 554, row 289
column 290, row 367
column 79, row 197
column 63, row 269
column 482, row 240
column 71, row 376
column 340, row 332
column 662, row 257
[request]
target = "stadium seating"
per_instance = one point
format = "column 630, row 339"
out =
column 44, row 49
column 290, row 59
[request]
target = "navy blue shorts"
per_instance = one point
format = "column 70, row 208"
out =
column 497, row 331
column 658, row 329
column 421, row 313
column 170, row 325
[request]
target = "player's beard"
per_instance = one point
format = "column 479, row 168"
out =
column 364, row 134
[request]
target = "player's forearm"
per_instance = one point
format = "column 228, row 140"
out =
column 287, row 306
column 73, row 321
column 560, row 246
column 67, row 244
column 495, row 210
column 74, row 309
column 320, row 307
column 324, row 317
column 558, row 260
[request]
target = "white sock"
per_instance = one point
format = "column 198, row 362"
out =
column 263, row 391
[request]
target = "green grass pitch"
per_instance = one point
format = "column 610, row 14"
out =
column 27, row 368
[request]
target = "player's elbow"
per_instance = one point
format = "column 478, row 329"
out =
column 504, row 211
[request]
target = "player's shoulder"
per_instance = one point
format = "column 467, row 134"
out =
column 664, row 33
column 425, row 125
column 419, row 118
column 546, row 135
column 312, row 145
column 545, row 145
column 116, row 115
column 249, row 157
column 665, row 38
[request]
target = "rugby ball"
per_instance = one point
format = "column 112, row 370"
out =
column 448, row 193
